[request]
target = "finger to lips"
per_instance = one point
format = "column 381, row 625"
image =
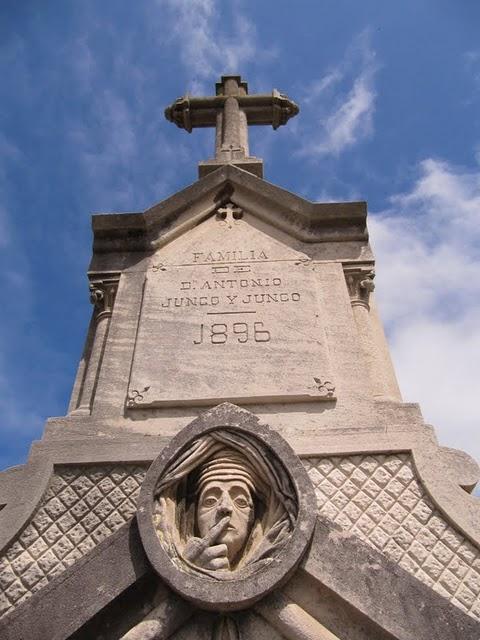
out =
column 217, row 530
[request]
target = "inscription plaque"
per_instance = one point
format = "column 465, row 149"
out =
column 239, row 324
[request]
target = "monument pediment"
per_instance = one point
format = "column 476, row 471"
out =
column 236, row 311
column 304, row 220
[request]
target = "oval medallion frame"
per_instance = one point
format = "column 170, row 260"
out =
column 232, row 594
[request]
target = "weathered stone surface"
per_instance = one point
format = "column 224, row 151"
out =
column 387, row 595
column 248, row 624
column 162, row 622
column 236, row 316
column 314, row 332
column 360, row 580
column 439, row 486
column 225, row 506
column 456, row 505
column 379, row 499
column 289, row 619
column 284, row 528
column 81, row 507
column 77, row 594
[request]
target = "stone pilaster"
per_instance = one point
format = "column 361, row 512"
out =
column 360, row 283
column 102, row 296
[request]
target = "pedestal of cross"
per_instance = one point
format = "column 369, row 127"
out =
column 231, row 111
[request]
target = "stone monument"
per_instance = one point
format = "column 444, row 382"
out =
column 237, row 462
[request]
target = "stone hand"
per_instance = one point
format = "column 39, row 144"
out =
column 205, row 553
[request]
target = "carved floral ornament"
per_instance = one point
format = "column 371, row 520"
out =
column 218, row 508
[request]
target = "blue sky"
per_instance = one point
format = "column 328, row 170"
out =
column 390, row 101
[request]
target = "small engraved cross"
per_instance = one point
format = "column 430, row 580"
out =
column 229, row 213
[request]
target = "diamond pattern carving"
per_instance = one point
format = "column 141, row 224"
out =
column 379, row 499
column 376, row 497
column 81, row 507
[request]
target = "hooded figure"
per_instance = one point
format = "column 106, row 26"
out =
column 225, row 506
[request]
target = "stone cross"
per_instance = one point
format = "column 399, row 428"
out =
column 231, row 111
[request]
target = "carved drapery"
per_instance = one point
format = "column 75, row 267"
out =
column 229, row 486
column 102, row 295
column 225, row 512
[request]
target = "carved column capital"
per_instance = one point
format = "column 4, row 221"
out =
column 102, row 294
column 360, row 284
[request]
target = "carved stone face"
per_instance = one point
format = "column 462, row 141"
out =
column 219, row 499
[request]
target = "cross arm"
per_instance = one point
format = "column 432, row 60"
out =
column 260, row 109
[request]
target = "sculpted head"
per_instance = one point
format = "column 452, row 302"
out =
column 232, row 499
column 224, row 506
column 226, row 489
column 226, row 512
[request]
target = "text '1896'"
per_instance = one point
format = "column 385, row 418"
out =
column 242, row 332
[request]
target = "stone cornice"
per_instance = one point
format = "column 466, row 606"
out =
column 307, row 221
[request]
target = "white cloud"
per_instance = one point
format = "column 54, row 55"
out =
column 319, row 87
column 208, row 43
column 339, row 107
column 427, row 248
column 352, row 121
